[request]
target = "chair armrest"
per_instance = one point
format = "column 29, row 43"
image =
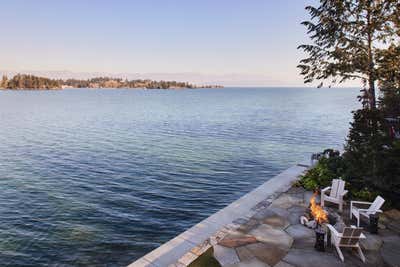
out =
column 362, row 210
column 333, row 230
column 326, row 189
column 344, row 193
column 360, row 202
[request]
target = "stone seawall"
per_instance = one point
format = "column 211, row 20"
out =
column 186, row 247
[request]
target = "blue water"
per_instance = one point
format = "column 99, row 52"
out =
column 100, row 177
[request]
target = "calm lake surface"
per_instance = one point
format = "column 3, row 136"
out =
column 101, row 177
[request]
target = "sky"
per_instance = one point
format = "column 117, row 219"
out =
column 231, row 41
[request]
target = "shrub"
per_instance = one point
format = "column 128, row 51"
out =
column 321, row 175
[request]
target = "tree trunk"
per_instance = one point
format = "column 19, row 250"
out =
column 371, row 65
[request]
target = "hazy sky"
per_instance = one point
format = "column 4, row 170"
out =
column 249, row 38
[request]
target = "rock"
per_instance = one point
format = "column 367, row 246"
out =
column 390, row 250
column 225, row 256
column 312, row 258
column 237, row 239
column 268, row 253
column 250, row 263
column 371, row 242
column 299, row 231
column 267, row 234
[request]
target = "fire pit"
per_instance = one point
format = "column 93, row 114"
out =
column 316, row 218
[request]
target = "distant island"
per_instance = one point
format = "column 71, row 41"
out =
column 31, row 82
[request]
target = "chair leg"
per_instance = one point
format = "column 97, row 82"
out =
column 322, row 200
column 358, row 220
column 341, row 207
column 361, row 254
column 339, row 252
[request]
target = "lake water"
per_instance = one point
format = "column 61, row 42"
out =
column 101, row 177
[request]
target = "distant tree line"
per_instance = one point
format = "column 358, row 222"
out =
column 24, row 81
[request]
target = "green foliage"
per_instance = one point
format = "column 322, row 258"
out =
column 322, row 174
column 372, row 154
column 205, row 260
column 364, row 194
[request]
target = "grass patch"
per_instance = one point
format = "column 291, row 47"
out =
column 206, row 260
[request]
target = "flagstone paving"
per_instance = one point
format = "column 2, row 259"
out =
column 273, row 236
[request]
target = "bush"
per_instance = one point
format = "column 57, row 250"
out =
column 329, row 167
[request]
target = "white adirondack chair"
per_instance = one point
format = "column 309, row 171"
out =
column 374, row 207
column 349, row 238
column 336, row 193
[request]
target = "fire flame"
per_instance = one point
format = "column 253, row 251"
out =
column 320, row 216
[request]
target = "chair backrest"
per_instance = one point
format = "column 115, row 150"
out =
column 350, row 236
column 337, row 188
column 376, row 205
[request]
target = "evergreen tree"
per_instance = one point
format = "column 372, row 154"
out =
column 346, row 36
column 373, row 149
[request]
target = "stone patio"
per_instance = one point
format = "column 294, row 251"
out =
column 273, row 236
column 262, row 229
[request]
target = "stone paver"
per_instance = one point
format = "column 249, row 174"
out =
column 237, row 239
column 268, row 253
column 250, row 263
column 286, row 201
column 372, row 242
column 225, row 256
column 391, row 250
column 244, row 253
column 298, row 231
column 283, row 264
column 249, row 225
column 267, row 234
column 280, row 211
column 312, row 258
column 276, row 221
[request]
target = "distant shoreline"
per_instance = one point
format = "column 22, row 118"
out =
column 31, row 82
column 103, row 88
